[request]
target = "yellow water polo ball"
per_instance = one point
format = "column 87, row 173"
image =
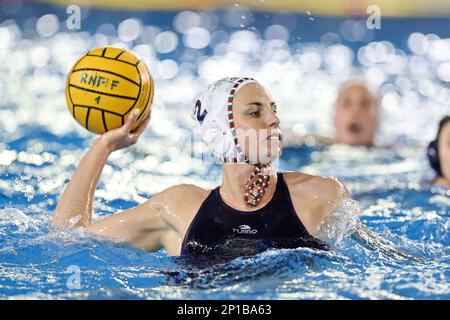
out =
column 105, row 85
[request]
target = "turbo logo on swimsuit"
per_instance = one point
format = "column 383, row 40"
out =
column 245, row 229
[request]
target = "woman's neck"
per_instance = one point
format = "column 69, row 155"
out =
column 234, row 178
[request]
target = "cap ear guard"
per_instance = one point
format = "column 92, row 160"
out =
column 214, row 121
column 433, row 156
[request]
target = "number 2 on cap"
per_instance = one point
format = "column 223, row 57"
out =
column 200, row 117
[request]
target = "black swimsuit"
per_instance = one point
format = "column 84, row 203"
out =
column 220, row 230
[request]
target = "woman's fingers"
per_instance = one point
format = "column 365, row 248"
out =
column 142, row 126
column 131, row 120
column 124, row 136
column 134, row 136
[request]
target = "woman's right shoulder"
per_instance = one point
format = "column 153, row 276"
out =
column 184, row 192
column 177, row 205
column 182, row 202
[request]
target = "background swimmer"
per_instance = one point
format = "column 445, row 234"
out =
column 439, row 153
column 356, row 117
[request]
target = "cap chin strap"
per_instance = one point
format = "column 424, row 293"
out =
column 258, row 182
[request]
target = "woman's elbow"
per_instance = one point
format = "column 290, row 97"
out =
column 62, row 220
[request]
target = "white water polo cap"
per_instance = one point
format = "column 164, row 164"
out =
column 214, row 122
column 213, row 118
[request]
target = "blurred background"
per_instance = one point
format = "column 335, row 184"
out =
column 301, row 50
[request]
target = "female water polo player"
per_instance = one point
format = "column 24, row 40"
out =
column 238, row 120
column 439, row 153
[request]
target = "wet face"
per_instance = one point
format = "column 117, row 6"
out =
column 444, row 151
column 257, row 125
column 356, row 116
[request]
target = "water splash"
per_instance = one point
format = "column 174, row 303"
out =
column 343, row 222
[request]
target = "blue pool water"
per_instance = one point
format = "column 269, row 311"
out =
column 41, row 145
column 36, row 262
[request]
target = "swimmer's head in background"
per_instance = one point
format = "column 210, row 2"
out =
column 357, row 113
column 433, row 150
column 214, row 123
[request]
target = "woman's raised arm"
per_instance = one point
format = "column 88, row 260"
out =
column 76, row 199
